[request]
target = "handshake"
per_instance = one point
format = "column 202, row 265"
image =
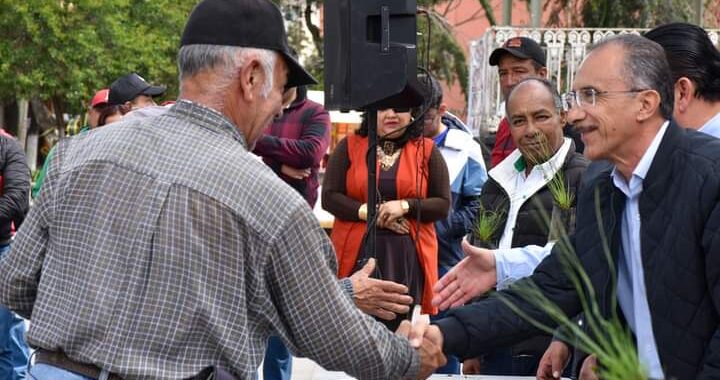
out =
column 386, row 300
column 426, row 339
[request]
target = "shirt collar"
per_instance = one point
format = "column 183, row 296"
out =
column 646, row 160
column 712, row 127
column 206, row 117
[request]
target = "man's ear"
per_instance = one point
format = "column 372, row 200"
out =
column 649, row 104
column 684, row 93
column 442, row 109
column 251, row 79
column 542, row 72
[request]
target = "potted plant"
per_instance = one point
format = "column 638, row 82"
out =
column 486, row 226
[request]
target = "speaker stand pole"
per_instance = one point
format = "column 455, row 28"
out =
column 370, row 248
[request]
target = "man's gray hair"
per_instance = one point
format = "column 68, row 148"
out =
column 646, row 68
column 228, row 60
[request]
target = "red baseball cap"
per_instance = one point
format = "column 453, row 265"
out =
column 100, row 98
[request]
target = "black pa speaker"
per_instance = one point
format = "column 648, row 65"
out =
column 370, row 54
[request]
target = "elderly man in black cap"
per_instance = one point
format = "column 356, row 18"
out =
column 162, row 247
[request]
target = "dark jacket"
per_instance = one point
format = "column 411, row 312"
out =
column 15, row 180
column 531, row 226
column 299, row 138
column 680, row 240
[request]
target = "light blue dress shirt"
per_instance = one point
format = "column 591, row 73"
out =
column 632, row 295
column 712, row 127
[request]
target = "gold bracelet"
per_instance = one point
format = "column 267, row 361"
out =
column 362, row 212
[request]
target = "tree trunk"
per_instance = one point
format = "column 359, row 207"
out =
column 314, row 30
column 59, row 107
column 32, row 151
column 23, row 121
column 43, row 116
column 2, row 115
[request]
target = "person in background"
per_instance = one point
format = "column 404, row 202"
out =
column 517, row 59
column 296, row 142
column 466, row 169
column 134, row 92
column 413, row 193
column 519, row 193
column 98, row 103
column 14, row 203
column 109, row 115
column 695, row 66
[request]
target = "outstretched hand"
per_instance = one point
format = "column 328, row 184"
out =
column 471, row 277
column 428, row 341
column 383, row 299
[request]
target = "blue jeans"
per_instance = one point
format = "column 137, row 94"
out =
column 452, row 367
column 278, row 361
column 48, row 372
column 14, row 352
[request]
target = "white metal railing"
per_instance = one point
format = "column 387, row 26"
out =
column 564, row 47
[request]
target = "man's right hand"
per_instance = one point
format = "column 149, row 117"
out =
column 471, row 277
column 589, row 368
column 383, row 299
column 553, row 361
column 428, row 340
column 471, row 366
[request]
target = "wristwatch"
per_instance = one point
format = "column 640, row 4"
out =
column 405, row 206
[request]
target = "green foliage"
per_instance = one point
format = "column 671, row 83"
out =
column 488, row 221
column 68, row 50
column 635, row 13
column 446, row 58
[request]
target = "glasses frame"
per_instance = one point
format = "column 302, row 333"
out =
column 571, row 97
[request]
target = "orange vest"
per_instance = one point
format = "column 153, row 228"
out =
column 347, row 235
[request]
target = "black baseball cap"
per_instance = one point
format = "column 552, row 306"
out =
column 245, row 23
column 520, row 47
column 128, row 87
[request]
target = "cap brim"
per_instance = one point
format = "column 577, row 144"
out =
column 497, row 53
column 154, row 91
column 297, row 75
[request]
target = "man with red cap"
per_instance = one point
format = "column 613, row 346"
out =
column 98, row 102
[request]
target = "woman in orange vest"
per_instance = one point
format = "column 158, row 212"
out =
column 413, row 192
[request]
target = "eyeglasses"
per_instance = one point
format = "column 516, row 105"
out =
column 398, row 110
column 587, row 97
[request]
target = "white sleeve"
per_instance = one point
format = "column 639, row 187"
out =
column 513, row 264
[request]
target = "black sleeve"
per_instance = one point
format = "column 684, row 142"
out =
column 14, row 202
column 437, row 203
column 475, row 329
